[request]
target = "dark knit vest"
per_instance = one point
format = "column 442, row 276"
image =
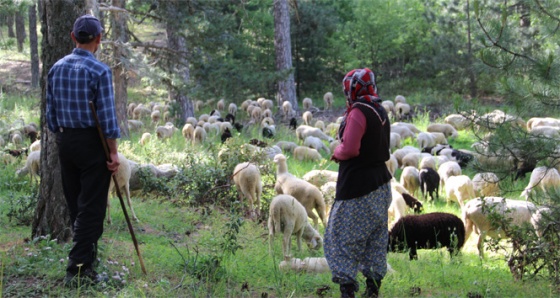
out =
column 366, row 172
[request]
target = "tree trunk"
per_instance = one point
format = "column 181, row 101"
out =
column 20, row 30
column 10, row 24
column 282, row 45
column 470, row 68
column 120, row 80
column 33, row 45
column 51, row 216
column 176, row 42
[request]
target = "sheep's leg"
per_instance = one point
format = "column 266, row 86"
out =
column 314, row 217
column 128, row 200
column 299, row 235
column 287, row 244
column 480, row 245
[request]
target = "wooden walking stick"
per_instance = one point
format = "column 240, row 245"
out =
column 108, row 156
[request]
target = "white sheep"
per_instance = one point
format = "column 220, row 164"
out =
column 403, row 131
column 320, row 124
column 410, row 179
column 448, row 169
column 400, row 98
column 146, row 137
column 302, row 153
column 166, row 131
column 332, row 129
column 459, row 189
column 397, row 209
column 256, row 113
column 287, row 146
column 486, row 184
column 539, row 121
column 402, row 109
column 199, row 135
column 329, row 99
column 476, row 213
column 320, row 177
column 289, row 217
column 17, row 139
column 389, row 107
column 286, row 109
column 413, row 159
column 333, row 145
column 551, row 132
column 546, row 179
column 32, row 166
column 188, row 131
column 304, row 131
column 306, row 193
column 135, row 125
column 395, row 141
column 221, row 105
column 232, row 109
column 307, row 265
column 392, row 164
column 203, row 117
column 267, row 104
column 410, row 126
column 458, row 121
column 316, row 143
column 439, row 138
column 155, row 115
column 402, row 152
column 307, row 103
column 141, row 111
column 247, row 179
column 329, row 193
column 448, row 130
column 425, row 140
column 123, row 179
column 130, row 109
column 198, row 105
column 35, row 146
column 307, row 117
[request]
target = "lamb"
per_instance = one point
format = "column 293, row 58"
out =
column 448, row 130
column 123, row 179
column 410, row 179
column 459, row 188
column 547, row 180
column 307, row 117
column 307, row 103
column 476, row 217
column 403, row 110
column 328, row 98
column 429, row 182
column 427, row 231
column 316, row 143
column 304, row 131
column 306, row 193
column 320, row 177
column 486, row 184
column 302, row 153
column 448, row 169
column 32, row 166
column 247, row 179
column 288, row 216
column 146, row 137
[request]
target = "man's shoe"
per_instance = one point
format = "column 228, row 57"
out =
column 85, row 277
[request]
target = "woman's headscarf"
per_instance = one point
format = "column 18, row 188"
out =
column 359, row 85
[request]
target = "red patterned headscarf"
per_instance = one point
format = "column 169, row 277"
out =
column 359, row 85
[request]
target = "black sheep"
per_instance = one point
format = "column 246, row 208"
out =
column 427, row 231
column 17, row 152
column 293, row 123
column 429, row 182
column 267, row 132
column 226, row 135
column 413, row 203
column 258, row 143
column 238, row 126
column 463, row 158
column 230, row 118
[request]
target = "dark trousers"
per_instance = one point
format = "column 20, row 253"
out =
column 85, row 181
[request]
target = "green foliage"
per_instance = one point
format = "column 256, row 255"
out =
column 21, row 208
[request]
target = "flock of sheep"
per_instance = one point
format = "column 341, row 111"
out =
column 430, row 168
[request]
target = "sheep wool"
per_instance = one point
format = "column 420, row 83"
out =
column 123, row 179
column 247, row 179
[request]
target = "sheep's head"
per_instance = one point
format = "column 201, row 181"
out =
column 278, row 158
column 315, row 243
column 418, row 208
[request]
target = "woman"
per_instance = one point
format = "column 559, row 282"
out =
column 356, row 236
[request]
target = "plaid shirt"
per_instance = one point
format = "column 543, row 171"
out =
column 73, row 82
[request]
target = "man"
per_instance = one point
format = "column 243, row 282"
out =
column 73, row 82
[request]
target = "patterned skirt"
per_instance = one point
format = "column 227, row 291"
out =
column 356, row 236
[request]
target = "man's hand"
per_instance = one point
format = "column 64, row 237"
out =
column 113, row 165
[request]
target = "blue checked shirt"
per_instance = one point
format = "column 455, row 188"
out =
column 73, row 82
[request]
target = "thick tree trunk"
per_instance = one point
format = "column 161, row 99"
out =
column 51, row 216
column 33, row 45
column 20, row 30
column 179, row 65
column 282, row 45
column 120, row 80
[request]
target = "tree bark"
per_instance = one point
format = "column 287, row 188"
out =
column 179, row 65
column 282, row 45
column 33, row 45
column 120, row 80
column 10, row 24
column 20, row 30
column 51, row 216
